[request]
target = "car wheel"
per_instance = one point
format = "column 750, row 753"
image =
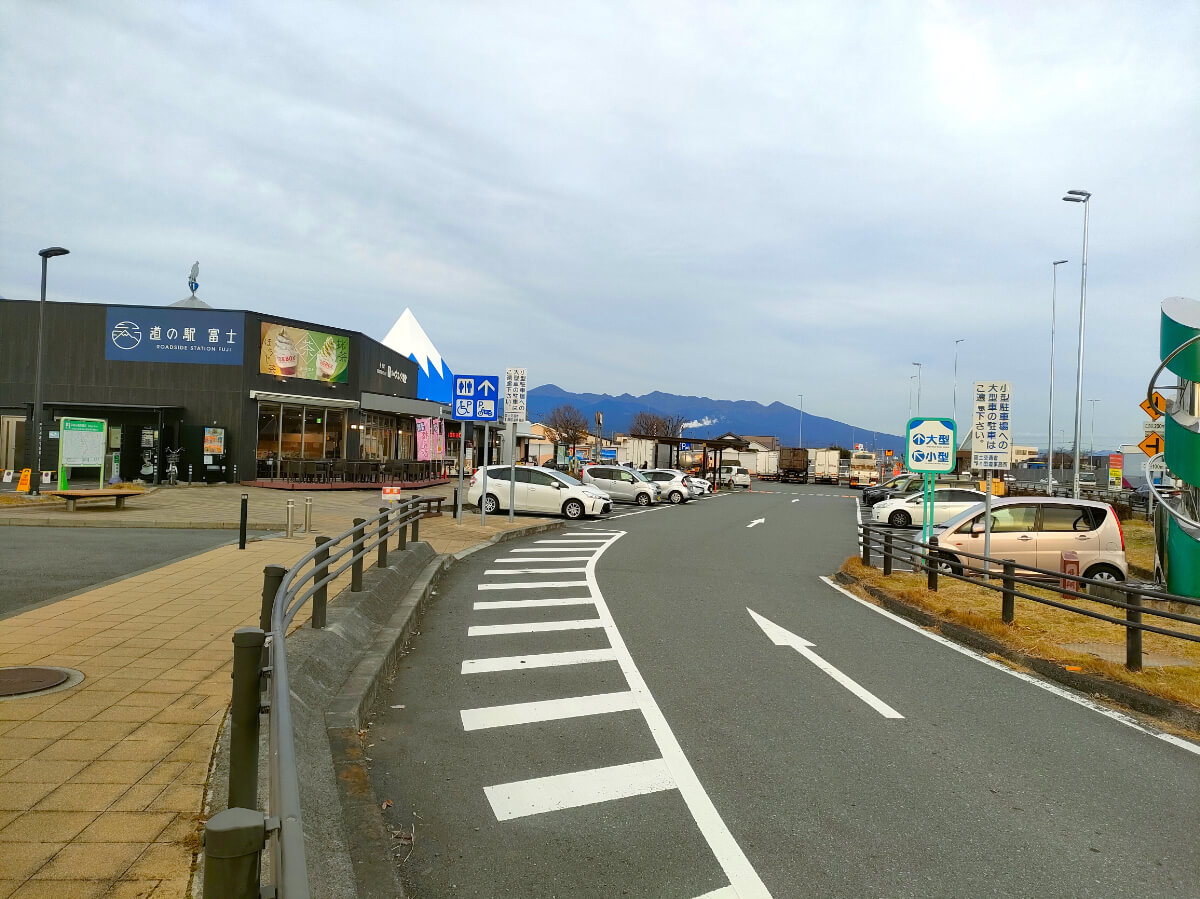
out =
column 676, row 497
column 1105, row 573
column 643, row 499
column 948, row 564
column 899, row 519
column 490, row 504
column 572, row 509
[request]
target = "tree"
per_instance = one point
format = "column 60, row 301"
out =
column 567, row 424
column 674, row 425
column 648, row 424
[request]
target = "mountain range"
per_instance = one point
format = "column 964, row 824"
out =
column 707, row 417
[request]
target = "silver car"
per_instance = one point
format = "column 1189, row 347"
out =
column 624, row 485
column 673, row 483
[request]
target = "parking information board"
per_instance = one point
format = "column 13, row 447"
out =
column 514, row 394
column 83, row 442
column 475, row 397
column 931, row 445
column 991, row 440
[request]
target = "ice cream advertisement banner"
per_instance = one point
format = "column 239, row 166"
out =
column 424, row 439
column 298, row 353
column 438, row 437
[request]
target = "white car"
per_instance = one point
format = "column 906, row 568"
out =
column 905, row 511
column 539, row 490
column 672, row 482
column 734, row 476
column 700, row 486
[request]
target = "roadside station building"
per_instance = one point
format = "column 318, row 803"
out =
column 239, row 391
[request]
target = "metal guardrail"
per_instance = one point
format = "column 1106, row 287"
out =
column 235, row 838
column 927, row 557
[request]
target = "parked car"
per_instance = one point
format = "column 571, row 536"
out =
column 624, row 485
column 734, row 476
column 907, row 484
column 700, row 486
column 1036, row 531
column 672, row 483
column 539, row 490
column 902, row 512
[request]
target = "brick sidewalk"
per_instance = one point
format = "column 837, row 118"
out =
column 101, row 785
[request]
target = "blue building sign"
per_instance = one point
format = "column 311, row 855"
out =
column 165, row 334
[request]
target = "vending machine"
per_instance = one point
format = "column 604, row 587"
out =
column 206, row 454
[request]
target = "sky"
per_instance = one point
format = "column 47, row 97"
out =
column 738, row 200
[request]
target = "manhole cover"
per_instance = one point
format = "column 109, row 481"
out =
column 15, row 681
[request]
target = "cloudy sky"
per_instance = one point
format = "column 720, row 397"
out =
column 739, row 200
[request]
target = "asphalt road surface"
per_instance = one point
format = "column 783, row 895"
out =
column 597, row 713
column 42, row 563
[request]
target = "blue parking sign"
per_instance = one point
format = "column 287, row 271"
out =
column 475, row 397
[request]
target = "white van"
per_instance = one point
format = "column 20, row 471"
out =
column 734, row 476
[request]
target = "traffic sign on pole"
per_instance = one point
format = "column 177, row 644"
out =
column 475, row 397
column 931, row 445
column 1152, row 445
column 1154, row 411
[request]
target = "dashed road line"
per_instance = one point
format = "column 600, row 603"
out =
column 558, row 791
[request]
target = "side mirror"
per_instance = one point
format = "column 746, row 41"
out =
column 977, row 529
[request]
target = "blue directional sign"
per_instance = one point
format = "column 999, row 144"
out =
column 931, row 445
column 476, row 397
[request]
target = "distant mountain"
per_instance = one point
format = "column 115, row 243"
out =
column 710, row 418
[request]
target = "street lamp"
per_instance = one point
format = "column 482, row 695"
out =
column 956, row 343
column 801, row 395
column 911, row 378
column 36, row 480
column 1053, row 299
column 918, row 365
column 1084, row 197
column 1092, row 441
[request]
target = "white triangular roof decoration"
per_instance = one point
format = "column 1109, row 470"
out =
column 408, row 338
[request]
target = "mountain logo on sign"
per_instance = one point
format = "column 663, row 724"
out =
column 126, row 335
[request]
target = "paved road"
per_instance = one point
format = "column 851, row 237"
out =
column 41, row 563
column 661, row 745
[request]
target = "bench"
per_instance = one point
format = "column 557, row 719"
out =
column 73, row 496
column 432, row 504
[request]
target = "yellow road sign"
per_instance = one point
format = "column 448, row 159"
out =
column 1152, row 445
column 1159, row 407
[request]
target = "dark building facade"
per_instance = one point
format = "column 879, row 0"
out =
column 238, row 391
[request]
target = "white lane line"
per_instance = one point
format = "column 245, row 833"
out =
column 639, row 512
column 532, row 585
column 725, row 848
column 531, row 570
column 527, row 559
column 573, row 542
column 554, row 549
column 547, row 710
column 531, row 627
column 722, row 893
column 795, row 500
column 1049, row 687
column 532, row 603
column 540, row 660
column 589, row 535
column 559, row 791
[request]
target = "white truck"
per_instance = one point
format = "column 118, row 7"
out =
column 824, row 466
column 864, row 472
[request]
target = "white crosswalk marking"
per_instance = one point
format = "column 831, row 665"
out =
column 547, row 710
column 532, row 585
column 532, row 627
column 528, row 559
column 554, row 549
column 532, row 570
column 540, row 660
column 559, row 791
column 532, row 603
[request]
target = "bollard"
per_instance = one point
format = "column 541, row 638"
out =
column 308, row 514
column 402, row 542
column 189, row 474
column 320, row 596
column 866, row 547
column 1133, row 635
column 1006, row 589
column 235, row 480
column 931, row 564
column 242, row 521
column 887, row 554
column 291, row 517
column 248, row 644
column 233, row 845
column 357, row 567
column 381, row 561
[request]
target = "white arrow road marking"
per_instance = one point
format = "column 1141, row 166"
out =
column 756, row 521
column 782, row 637
column 795, row 500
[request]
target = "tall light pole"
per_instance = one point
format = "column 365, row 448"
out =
column 36, row 481
column 1053, row 300
column 1084, row 197
column 1092, row 441
column 918, row 365
column 801, row 395
column 956, row 343
column 911, row 378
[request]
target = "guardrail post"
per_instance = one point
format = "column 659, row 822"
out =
column 887, row 554
column 1133, row 635
column 402, row 542
column 931, row 567
column 242, row 520
column 866, row 546
column 1007, row 586
column 308, row 514
column 416, row 533
column 381, row 561
column 291, row 517
column 320, row 596
column 272, row 578
column 356, row 569
column 233, row 845
column 244, row 710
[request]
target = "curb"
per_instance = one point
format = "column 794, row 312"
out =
column 1166, row 710
column 100, row 523
column 374, row 873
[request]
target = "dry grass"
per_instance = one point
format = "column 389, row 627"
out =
column 1139, row 547
column 1041, row 631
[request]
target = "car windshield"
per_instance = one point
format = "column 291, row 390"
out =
column 639, row 476
column 566, row 478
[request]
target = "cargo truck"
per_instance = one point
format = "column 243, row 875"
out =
column 825, row 466
column 793, row 464
column 864, row 472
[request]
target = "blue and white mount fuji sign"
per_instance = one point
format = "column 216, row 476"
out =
column 476, row 397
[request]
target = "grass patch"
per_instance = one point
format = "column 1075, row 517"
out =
column 1041, row 631
column 1139, row 547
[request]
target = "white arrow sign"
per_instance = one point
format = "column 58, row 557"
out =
column 756, row 521
column 485, row 387
column 781, row 637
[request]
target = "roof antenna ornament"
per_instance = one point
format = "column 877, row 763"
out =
column 192, row 276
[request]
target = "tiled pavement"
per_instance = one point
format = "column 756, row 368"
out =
column 101, row 785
